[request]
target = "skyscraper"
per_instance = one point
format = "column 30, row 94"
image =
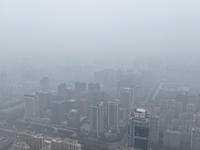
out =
column 113, row 115
column 44, row 100
column 62, row 89
column 138, row 129
column 58, row 112
column 80, row 88
column 154, row 129
column 31, row 105
column 127, row 99
column 96, row 118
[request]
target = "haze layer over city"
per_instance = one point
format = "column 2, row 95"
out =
column 99, row 75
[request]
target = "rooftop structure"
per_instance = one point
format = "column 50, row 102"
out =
column 66, row 143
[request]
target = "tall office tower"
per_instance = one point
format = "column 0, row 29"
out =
column 186, row 98
column 127, row 99
column 58, row 112
column 31, row 105
column 113, row 115
column 20, row 146
column 44, row 84
column 195, row 138
column 65, row 144
column 73, row 118
column 71, row 104
column 154, row 129
column 96, row 118
column 62, row 89
column 80, row 88
column 138, row 129
column 171, row 139
column 35, row 141
column 44, row 100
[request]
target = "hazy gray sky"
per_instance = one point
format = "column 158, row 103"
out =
column 127, row 28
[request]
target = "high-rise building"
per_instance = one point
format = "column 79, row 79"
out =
column 44, row 100
column 62, row 89
column 65, row 144
column 171, row 139
column 31, row 105
column 83, row 106
column 71, row 104
column 195, row 138
column 96, row 118
column 20, row 146
column 73, row 118
column 58, row 112
column 35, row 141
column 80, row 88
column 154, row 129
column 127, row 99
column 113, row 115
column 44, row 84
column 138, row 129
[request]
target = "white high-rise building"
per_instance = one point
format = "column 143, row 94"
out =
column 113, row 115
column 96, row 118
column 31, row 105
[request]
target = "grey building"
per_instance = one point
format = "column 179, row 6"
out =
column 113, row 115
column 58, row 112
column 138, row 129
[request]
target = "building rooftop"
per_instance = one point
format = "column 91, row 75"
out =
column 123, row 148
column 66, row 140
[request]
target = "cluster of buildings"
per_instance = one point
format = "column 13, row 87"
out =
column 179, row 120
column 28, row 140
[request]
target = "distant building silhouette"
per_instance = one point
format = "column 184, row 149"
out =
column 58, row 112
column 44, row 84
